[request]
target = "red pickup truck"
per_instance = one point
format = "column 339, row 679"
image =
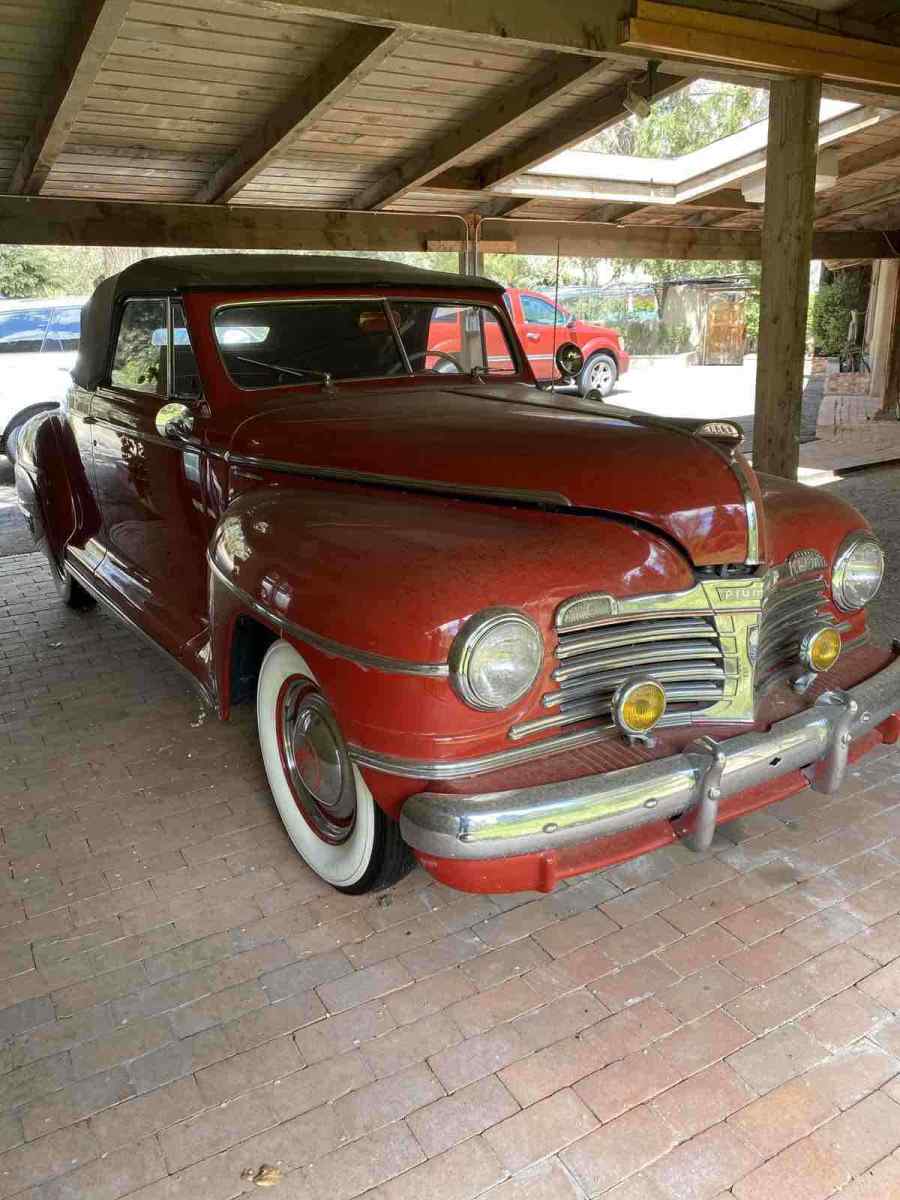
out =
column 542, row 326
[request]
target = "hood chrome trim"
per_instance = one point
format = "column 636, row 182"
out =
column 408, row 483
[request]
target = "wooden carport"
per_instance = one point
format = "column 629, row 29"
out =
column 399, row 124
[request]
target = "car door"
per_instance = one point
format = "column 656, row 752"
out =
column 149, row 482
column 542, row 332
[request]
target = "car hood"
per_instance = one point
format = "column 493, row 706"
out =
column 506, row 443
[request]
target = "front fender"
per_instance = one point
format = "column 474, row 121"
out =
column 393, row 576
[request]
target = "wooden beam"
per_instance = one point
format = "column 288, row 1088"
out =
column 574, row 27
column 594, row 240
column 52, row 221
column 44, row 220
column 784, row 290
column 871, row 156
column 85, row 50
column 361, row 51
column 890, row 401
column 673, row 29
column 589, row 119
column 836, row 202
column 469, row 136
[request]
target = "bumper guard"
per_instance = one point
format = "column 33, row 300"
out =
column 528, row 820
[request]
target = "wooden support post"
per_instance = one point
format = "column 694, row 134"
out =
column 786, row 252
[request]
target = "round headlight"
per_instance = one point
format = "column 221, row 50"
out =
column 858, row 571
column 496, row 658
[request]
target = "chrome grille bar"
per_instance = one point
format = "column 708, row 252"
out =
column 787, row 612
column 681, row 650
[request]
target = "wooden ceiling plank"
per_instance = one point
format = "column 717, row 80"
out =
column 332, row 80
column 85, row 52
column 492, row 118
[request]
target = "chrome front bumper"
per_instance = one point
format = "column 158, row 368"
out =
column 501, row 824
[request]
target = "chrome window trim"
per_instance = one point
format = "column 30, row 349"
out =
column 501, row 315
column 362, row 658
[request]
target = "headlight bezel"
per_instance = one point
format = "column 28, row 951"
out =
column 842, row 560
column 467, row 641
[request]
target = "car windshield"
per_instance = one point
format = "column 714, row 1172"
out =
column 274, row 343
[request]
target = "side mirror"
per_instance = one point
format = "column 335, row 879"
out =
column 569, row 360
column 174, row 421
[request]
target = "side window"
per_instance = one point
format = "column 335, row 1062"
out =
column 185, row 375
column 540, row 312
column 65, row 330
column 23, row 332
column 140, row 359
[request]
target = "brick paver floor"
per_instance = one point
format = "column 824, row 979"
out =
column 183, row 1003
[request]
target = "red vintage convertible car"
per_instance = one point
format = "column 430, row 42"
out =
column 518, row 634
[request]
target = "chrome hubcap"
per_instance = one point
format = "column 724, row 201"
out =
column 601, row 375
column 315, row 760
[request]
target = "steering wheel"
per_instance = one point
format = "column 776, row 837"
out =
column 424, row 354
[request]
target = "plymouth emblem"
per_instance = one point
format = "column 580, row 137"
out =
column 803, row 561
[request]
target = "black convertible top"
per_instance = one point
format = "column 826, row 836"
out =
column 180, row 273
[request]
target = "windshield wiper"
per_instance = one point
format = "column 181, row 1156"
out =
column 300, row 372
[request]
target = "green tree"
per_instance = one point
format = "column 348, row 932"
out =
column 841, row 294
column 701, row 113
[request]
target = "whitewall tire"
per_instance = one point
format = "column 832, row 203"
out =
column 327, row 809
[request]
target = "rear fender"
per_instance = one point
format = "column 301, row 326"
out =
column 44, row 483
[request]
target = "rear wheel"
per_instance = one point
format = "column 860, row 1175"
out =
column 599, row 374
column 72, row 594
column 326, row 808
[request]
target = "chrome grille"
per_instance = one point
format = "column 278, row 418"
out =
column 787, row 613
column 683, row 652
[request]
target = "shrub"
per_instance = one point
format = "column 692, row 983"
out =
column 833, row 304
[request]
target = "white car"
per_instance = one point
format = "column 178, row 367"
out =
column 38, row 347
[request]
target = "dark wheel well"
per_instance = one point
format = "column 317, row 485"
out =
column 18, row 419
column 249, row 644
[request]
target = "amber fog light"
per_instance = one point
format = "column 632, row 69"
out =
column 820, row 648
column 637, row 705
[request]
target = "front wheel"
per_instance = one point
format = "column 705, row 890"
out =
column 599, row 374
column 327, row 810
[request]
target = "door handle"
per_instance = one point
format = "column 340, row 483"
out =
column 533, row 337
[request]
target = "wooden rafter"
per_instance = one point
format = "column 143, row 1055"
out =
column 88, row 46
column 491, row 118
column 586, row 121
column 871, row 156
column 358, row 53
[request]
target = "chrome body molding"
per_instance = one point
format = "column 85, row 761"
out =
column 742, row 474
column 473, row 491
column 460, row 768
column 535, row 819
column 363, row 658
